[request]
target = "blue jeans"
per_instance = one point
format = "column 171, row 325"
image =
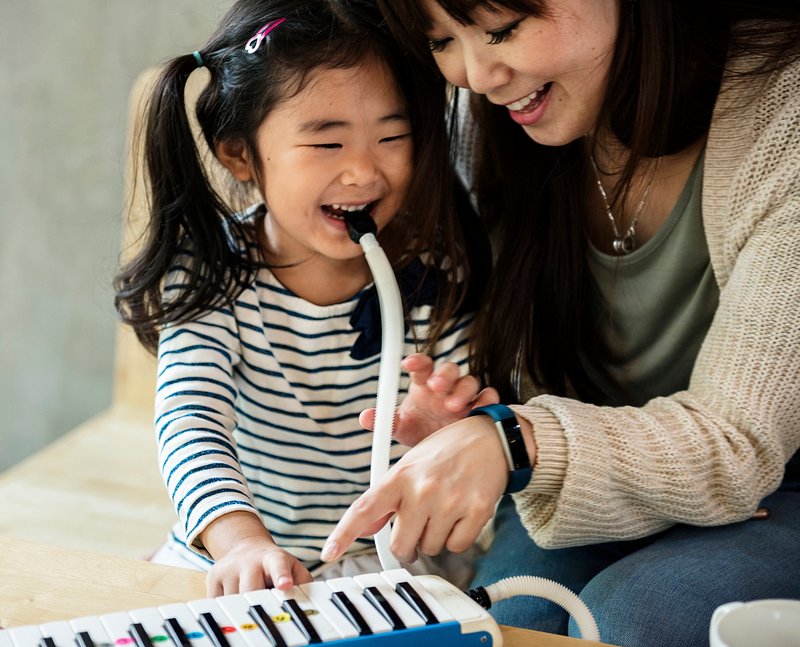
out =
column 652, row 592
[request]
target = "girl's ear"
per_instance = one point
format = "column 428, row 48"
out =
column 235, row 157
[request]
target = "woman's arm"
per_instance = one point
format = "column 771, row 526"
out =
column 704, row 456
column 707, row 455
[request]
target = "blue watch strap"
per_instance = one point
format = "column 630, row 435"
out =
column 510, row 434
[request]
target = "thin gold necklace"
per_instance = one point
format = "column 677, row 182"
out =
column 623, row 244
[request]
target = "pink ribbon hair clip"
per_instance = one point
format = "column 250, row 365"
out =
column 255, row 42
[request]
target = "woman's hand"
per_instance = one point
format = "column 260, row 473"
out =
column 247, row 558
column 442, row 492
column 436, row 398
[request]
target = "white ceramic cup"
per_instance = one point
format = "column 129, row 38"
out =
column 761, row 623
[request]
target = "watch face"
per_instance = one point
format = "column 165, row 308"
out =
column 510, row 435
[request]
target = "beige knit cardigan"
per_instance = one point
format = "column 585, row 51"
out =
column 708, row 455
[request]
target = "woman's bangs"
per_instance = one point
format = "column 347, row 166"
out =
column 463, row 10
column 412, row 17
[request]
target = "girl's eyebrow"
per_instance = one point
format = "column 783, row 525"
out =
column 323, row 125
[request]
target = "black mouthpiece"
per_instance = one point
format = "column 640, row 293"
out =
column 359, row 223
column 480, row 596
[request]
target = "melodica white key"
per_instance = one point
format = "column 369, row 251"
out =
column 89, row 632
column 59, row 632
column 29, row 636
column 470, row 615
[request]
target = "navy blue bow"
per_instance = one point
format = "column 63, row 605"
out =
column 367, row 316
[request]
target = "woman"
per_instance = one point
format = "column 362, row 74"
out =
column 637, row 164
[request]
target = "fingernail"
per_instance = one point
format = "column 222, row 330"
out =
column 329, row 551
column 284, row 582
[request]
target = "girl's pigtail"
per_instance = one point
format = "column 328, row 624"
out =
column 186, row 216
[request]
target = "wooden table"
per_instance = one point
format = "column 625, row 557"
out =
column 96, row 488
column 40, row 583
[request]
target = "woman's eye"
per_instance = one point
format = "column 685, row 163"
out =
column 501, row 35
column 437, row 45
column 326, row 146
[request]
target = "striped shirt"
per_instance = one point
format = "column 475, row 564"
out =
column 257, row 409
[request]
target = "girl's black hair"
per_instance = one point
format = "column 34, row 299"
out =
column 669, row 60
column 187, row 212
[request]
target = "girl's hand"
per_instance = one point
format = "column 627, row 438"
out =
column 442, row 491
column 246, row 557
column 435, row 399
column 255, row 563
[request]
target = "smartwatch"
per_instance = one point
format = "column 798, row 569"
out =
column 510, row 434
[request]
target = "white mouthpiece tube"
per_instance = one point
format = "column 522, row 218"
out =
column 392, row 336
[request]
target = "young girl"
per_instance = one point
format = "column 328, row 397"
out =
column 640, row 163
column 268, row 332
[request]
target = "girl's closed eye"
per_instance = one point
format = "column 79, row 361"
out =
column 395, row 138
column 326, row 146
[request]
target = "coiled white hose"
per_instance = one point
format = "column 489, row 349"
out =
column 549, row 590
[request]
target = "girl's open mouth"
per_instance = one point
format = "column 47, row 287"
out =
column 338, row 210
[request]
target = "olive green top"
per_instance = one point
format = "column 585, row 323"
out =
column 657, row 304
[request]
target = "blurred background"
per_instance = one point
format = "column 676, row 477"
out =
column 66, row 69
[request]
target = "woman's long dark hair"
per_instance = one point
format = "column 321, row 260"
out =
column 187, row 212
column 668, row 63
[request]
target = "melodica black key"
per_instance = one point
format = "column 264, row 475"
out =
column 384, row 608
column 211, row 628
column 266, row 625
column 349, row 611
column 410, row 595
column 83, row 639
column 301, row 621
column 176, row 633
column 139, row 635
column 47, row 641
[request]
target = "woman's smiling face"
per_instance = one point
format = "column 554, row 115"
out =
column 550, row 70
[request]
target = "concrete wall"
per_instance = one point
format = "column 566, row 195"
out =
column 65, row 72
